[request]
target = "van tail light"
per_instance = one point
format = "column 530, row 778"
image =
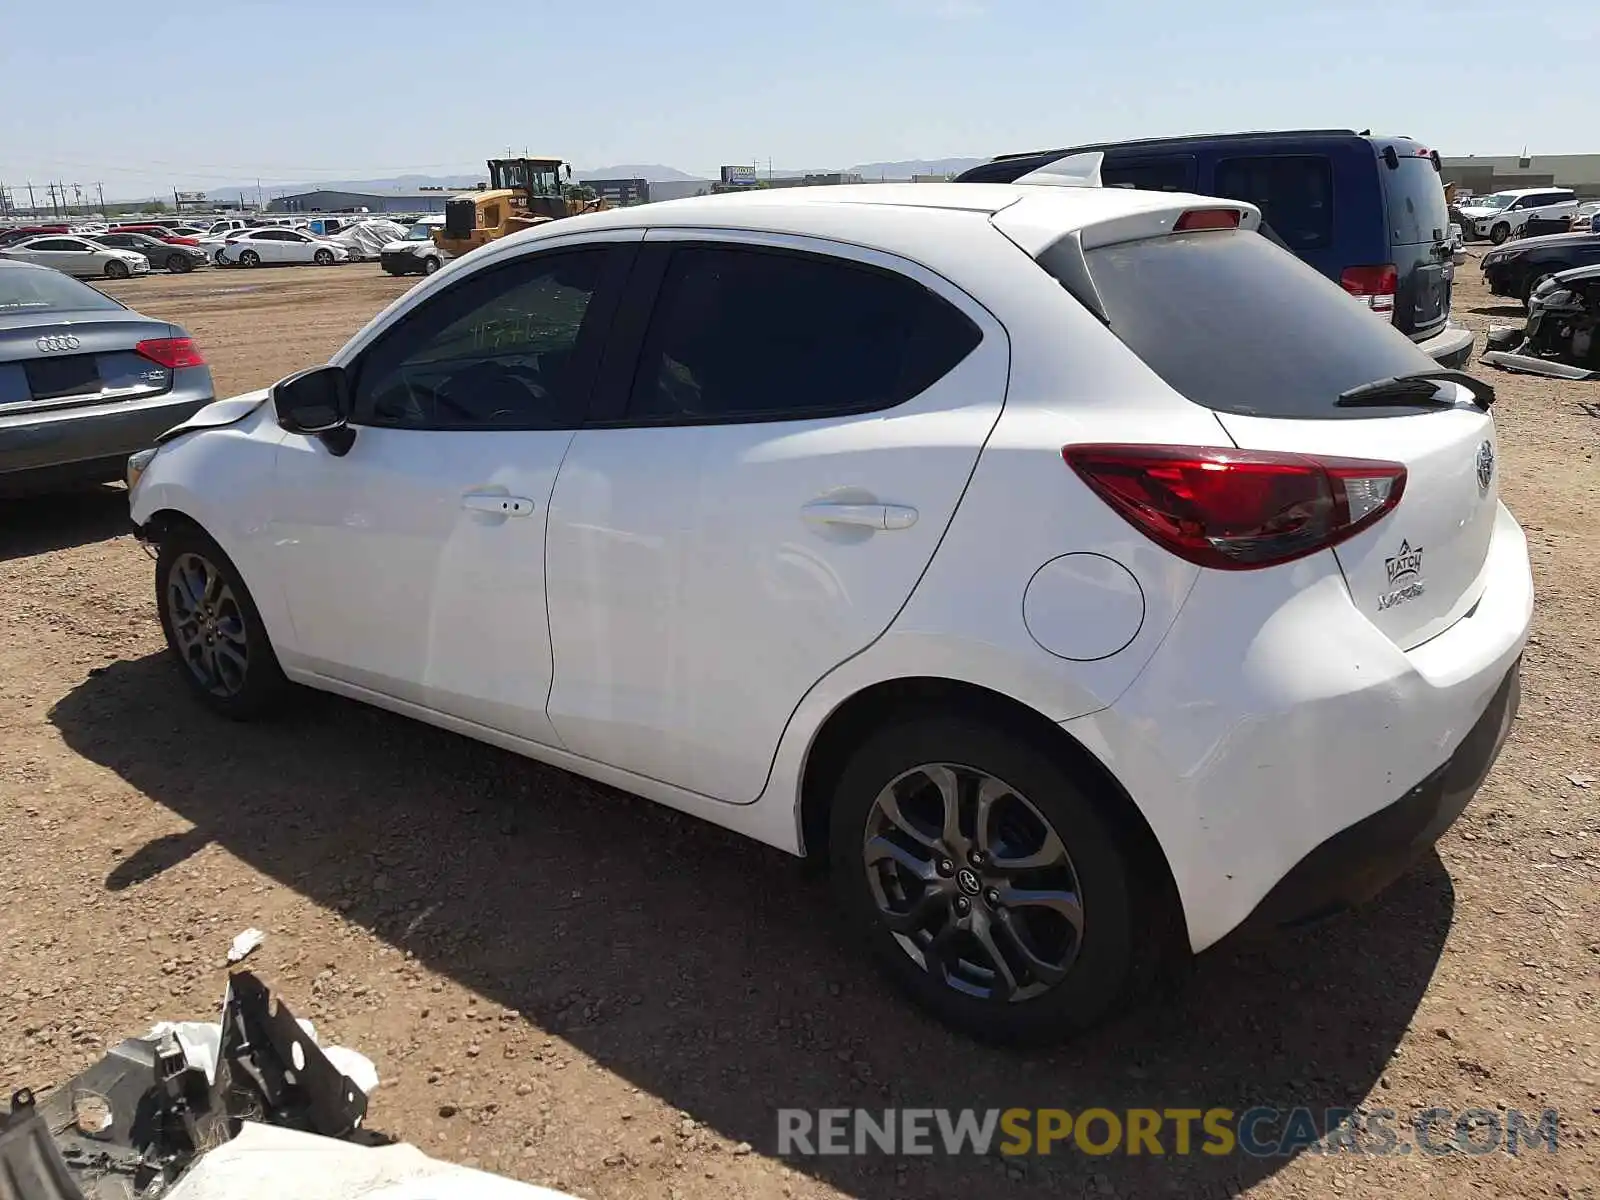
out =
column 171, row 353
column 1238, row 510
column 1207, row 218
column 1373, row 286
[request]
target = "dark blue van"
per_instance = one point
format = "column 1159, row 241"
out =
column 1368, row 212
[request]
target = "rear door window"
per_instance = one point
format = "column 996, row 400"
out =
column 741, row 334
column 1414, row 196
column 1293, row 191
column 1235, row 324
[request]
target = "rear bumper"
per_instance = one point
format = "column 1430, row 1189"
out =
column 1450, row 348
column 91, row 442
column 1361, row 860
column 1276, row 718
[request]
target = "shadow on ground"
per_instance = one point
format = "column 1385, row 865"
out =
column 38, row 524
column 567, row 901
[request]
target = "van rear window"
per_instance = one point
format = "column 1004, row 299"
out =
column 1417, row 209
column 1237, row 325
column 1293, row 191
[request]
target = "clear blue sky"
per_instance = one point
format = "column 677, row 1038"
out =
column 145, row 97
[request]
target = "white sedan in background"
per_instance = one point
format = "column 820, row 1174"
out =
column 79, row 257
column 257, row 247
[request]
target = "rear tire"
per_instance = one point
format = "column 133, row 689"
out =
column 1500, row 233
column 117, row 269
column 932, row 926
column 213, row 627
column 249, row 258
column 323, row 258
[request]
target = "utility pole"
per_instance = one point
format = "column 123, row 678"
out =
column 33, row 205
column 77, row 189
column 51, row 188
column 101, row 189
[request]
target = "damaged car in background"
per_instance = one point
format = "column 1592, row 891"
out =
column 1559, row 338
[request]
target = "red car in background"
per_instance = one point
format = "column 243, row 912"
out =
column 21, row 232
column 159, row 231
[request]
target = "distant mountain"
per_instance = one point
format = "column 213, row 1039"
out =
column 651, row 172
column 916, row 166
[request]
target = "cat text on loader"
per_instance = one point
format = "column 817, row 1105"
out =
column 522, row 193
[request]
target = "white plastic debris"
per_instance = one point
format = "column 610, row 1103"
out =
column 246, row 942
column 266, row 1162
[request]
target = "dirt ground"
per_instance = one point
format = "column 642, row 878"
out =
column 577, row 988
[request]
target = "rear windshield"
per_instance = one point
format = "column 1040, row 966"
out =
column 1238, row 325
column 1417, row 209
column 25, row 290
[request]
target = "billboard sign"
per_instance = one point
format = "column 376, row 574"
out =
column 739, row 176
column 190, row 197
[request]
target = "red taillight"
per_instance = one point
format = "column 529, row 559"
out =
column 172, row 353
column 1237, row 510
column 1373, row 286
column 1207, row 218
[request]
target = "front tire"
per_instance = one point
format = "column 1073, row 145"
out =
column 430, row 265
column 324, row 258
column 178, row 264
column 987, row 882
column 1500, row 233
column 117, row 269
column 213, row 627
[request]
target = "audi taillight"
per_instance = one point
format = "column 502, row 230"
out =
column 1373, row 286
column 1238, row 510
column 171, row 353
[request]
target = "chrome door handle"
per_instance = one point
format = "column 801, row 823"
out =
column 865, row 516
column 497, row 503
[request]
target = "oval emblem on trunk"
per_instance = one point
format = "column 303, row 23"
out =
column 1485, row 466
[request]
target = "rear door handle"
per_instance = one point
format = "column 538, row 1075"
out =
column 498, row 503
column 865, row 516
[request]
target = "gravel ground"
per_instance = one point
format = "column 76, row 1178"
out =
column 570, row 986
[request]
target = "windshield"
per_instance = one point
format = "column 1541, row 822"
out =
column 419, row 233
column 1240, row 326
column 1497, row 201
column 25, row 289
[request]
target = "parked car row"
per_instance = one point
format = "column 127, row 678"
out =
column 1032, row 551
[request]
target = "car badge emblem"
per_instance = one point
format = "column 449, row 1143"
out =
column 55, row 343
column 1485, row 466
column 1405, row 576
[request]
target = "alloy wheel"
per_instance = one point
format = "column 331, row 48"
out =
column 208, row 625
column 974, row 882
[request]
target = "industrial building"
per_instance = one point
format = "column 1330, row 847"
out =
column 428, row 201
column 1481, row 174
column 622, row 193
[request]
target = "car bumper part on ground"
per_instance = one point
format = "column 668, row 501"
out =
column 91, row 442
column 1358, row 862
column 1450, row 348
column 1299, row 720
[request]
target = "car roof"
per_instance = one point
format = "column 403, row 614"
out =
column 1529, row 191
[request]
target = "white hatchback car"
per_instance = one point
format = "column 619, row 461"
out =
column 1084, row 575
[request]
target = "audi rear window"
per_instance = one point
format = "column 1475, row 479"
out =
column 26, row 290
column 1240, row 326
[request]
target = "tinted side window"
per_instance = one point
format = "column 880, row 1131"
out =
column 742, row 334
column 1293, row 191
column 494, row 351
column 1415, row 200
column 1175, row 174
column 55, row 244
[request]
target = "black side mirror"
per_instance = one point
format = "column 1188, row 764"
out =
column 316, row 402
